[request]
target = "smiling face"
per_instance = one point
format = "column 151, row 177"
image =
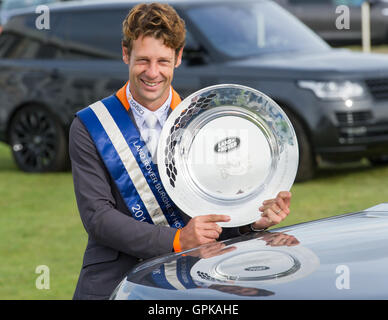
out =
column 151, row 69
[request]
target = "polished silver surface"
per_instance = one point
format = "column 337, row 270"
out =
column 341, row 257
column 224, row 150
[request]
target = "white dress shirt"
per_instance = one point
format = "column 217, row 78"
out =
column 140, row 113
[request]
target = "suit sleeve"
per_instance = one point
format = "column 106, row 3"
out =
column 97, row 205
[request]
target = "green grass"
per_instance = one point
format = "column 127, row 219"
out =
column 40, row 225
column 374, row 49
column 337, row 190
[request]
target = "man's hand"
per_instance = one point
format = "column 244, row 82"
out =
column 274, row 210
column 201, row 230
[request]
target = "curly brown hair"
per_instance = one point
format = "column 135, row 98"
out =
column 157, row 20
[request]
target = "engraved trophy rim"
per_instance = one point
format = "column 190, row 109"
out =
column 225, row 149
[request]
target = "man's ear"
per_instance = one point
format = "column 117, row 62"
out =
column 125, row 54
column 179, row 58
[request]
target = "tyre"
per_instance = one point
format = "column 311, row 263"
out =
column 307, row 162
column 379, row 160
column 38, row 140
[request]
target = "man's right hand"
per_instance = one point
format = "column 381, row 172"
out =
column 201, row 230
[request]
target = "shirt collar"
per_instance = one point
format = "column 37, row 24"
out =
column 140, row 112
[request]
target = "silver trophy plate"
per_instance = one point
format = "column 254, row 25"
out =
column 224, row 150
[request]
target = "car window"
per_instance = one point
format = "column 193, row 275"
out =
column 190, row 42
column 97, row 30
column 72, row 35
column 16, row 46
column 193, row 52
column 248, row 29
column 8, row 43
column 16, row 42
column 26, row 49
column 22, row 40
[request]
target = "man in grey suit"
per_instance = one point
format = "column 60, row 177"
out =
column 111, row 153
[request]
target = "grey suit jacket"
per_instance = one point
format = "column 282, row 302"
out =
column 116, row 241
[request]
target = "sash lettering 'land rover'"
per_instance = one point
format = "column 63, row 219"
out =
column 337, row 100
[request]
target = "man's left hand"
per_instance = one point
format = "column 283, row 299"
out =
column 274, row 211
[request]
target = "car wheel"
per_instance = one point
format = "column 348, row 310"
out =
column 38, row 140
column 379, row 161
column 307, row 162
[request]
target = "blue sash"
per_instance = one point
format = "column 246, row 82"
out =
column 129, row 163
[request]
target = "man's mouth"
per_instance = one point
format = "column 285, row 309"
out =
column 150, row 84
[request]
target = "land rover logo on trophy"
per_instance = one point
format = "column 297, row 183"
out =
column 256, row 268
column 227, row 144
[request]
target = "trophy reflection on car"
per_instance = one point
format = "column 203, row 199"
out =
column 235, row 267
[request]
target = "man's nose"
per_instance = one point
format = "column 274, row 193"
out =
column 152, row 70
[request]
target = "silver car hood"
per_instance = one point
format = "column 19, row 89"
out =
column 342, row 257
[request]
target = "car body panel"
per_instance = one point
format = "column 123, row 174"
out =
column 341, row 257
